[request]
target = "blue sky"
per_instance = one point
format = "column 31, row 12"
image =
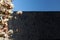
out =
column 36, row 5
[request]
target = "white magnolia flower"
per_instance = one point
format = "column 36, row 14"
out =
column 10, row 11
column 1, row 1
column 19, row 12
column 10, row 31
column 12, row 6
